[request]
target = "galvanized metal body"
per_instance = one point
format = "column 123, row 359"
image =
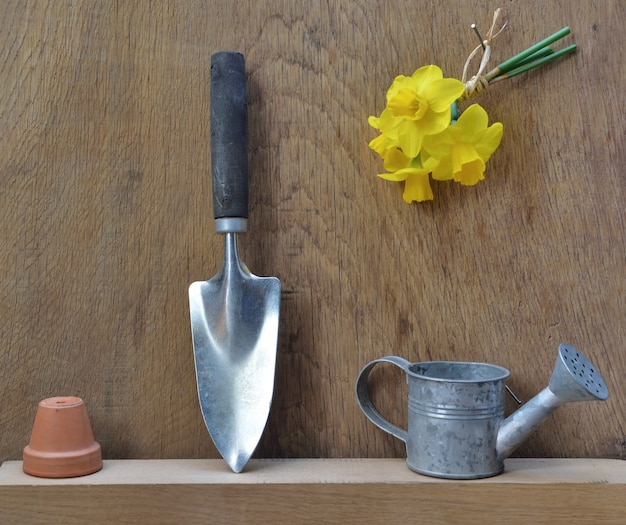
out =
column 234, row 320
column 455, row 411
column 456, row 425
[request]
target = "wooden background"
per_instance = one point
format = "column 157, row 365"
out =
column 106, row 215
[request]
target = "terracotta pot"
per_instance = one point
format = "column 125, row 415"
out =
column 62, row 443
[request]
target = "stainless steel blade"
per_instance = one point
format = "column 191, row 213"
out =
column 234, row 319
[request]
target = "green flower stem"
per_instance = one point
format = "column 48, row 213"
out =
column 454, row 112
column 536, row 63
column 544, row 51
column 514, row 62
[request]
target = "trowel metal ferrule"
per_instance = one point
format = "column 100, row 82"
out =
column 231, row 225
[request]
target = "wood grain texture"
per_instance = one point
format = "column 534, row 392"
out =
column 572, row 491
column 105, row 207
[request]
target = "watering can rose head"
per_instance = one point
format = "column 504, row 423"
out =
column 421, row 134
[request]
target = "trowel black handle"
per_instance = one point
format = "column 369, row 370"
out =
column 229, row 135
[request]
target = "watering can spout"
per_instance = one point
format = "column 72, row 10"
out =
column 574, row 379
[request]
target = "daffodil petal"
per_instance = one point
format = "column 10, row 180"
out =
column 443, row 169
column 442, row 93
column 429, row 163
column 435, row 123
column 490, row 140
column 425, row 75
column 440, row 144
column 400, row 175
column 410, row 136
column 389, row 124
column 396, row 160
column 472, row 121
column 393, row 177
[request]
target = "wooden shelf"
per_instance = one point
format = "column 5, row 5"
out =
column 316, row 491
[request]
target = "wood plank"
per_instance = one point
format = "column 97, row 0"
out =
column 106, row 216
column 317, row 491
column 330, row 471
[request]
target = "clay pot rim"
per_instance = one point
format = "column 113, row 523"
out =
column 61, row 402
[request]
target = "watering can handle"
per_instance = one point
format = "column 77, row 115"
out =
column 365, row 403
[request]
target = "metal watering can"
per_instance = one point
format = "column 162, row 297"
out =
column 456, row 424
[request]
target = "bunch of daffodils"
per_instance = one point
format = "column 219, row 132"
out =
column 423, row 134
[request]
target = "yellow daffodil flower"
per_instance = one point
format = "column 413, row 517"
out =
column 422, row 133
column 417, row 106
column 461, row 151
column 415, row 176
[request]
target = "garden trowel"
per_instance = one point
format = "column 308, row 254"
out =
column 234, row 315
